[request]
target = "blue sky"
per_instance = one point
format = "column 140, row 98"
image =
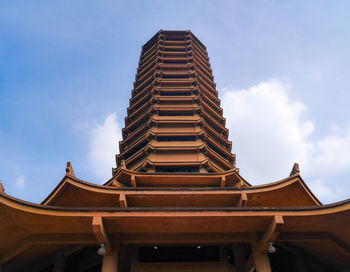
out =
column 67, row 69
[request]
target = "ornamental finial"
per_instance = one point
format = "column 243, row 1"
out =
column 2, row 189
column 295, row 170
column 69, row 170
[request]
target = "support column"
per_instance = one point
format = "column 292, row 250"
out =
column 60, row 263
column 122, row 201
column 133, row 181
column 243, row 200
column 223, row 181
column 261, row 259
column 110, row 262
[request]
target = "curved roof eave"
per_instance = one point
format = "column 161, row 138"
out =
column 34, row 208
column 87, row 186
column 23, row 220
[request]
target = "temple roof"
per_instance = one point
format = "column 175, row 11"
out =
column 319, row 230
column 78, row 193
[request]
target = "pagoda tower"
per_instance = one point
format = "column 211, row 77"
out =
column 176, row 201
column 175, row 122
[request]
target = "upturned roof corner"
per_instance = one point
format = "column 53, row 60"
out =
column 295, row 169
column 2, row 189
column 69, row 170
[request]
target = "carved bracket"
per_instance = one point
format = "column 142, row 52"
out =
column 101, row 234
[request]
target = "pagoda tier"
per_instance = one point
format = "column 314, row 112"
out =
column 174, row 122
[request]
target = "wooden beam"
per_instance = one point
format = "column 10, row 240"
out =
column 101, row 233
column 110, row 261
column 44, row 262
column 261, row 260
column 184, row 238
column 122, row 201
column 343, row 246
column 271, row 233
column 133, row 181
column 38, row 264
column 14, row 251
column 223, row 181
column 260, row 246
column 314, row 236
column 303, row 259
column 243, row 200
column 117, row 184
column 54, row 239
column 239, row 184
column 62, row 239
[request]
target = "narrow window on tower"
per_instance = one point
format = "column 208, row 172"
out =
column 176, row 138
column 179, row 61
column 179, row 169
column 175, row 76
column 176, row 113
column 175, row 37
column 175, row 49
column 175, row 93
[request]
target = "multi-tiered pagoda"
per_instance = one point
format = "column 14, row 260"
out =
column 176, row 201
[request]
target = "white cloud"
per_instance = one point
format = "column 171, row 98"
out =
column 319, row 188
column 20, row 182
column 333, row 152
column 266, row 129
column 269, row 134
column 104, row 145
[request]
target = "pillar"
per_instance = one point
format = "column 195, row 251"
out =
column 261, row 259
column 60, row 263
column 110, row 262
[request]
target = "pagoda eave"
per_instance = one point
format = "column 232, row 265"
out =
column 30, row 225
column 268, row 195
